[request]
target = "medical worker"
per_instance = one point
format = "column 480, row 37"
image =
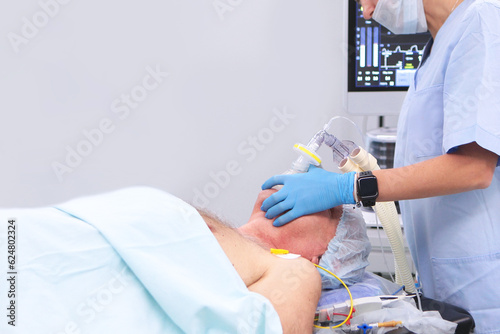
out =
column 447, row 153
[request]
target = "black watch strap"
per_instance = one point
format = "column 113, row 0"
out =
column 367, row 188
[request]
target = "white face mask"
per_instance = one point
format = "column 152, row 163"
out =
column 401, row 16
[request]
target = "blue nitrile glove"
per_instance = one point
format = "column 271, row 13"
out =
column 307, row 193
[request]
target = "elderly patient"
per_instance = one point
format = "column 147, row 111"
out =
column 292, row 286
column 289, row 284
column 140, row 260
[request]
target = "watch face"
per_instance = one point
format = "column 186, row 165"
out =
column 368, row 187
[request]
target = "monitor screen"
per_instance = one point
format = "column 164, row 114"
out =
column 380, row 64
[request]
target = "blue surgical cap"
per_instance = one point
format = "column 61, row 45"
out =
column 347, row 253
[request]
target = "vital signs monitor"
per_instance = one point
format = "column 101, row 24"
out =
column 380, row 64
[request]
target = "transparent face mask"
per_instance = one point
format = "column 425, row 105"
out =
column 401, row 16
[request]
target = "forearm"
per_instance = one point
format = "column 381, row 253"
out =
column 470, row 168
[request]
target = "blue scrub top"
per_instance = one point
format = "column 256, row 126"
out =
column 455, row 100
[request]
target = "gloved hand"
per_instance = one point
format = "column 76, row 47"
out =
column 307, row 193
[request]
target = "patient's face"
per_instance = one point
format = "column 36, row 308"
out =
column 308, row 235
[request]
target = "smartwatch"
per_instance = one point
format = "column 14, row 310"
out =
column 367, row 188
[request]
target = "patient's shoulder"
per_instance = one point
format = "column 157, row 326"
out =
column 294, row 288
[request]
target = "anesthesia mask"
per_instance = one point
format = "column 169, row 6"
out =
column 401, row 16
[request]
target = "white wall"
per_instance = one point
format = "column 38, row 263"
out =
column 231, row 70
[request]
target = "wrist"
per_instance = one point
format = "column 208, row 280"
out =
column 351, row 197
column 355, row 189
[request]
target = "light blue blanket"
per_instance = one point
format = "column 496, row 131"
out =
column 136, row 260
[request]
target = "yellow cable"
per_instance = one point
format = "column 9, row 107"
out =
column 278, row 251
column 284, row 251
column 350, row 297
